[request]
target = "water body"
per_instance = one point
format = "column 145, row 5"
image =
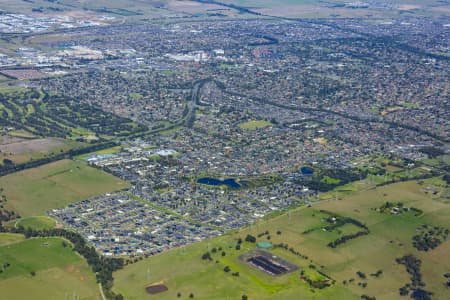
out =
column 212, row 181
column 307, row 171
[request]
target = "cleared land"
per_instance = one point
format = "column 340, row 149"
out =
column 390, row 237
column 32, row 192
column 59, row 273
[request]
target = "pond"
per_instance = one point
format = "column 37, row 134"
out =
column 307, row 171
column 212, row 181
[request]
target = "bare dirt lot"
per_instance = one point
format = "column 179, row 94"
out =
column 156, row 288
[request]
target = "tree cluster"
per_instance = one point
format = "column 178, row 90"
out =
column 250, row 238
column 415, row 290
column 429, row 237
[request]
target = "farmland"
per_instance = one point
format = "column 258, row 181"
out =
column 314, row 9
column 183, row 271
column 32, row 192
column 302, row 230
column 53, row 271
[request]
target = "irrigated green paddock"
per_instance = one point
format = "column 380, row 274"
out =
column 183, row 270
column 45, row 269
column 32, row 192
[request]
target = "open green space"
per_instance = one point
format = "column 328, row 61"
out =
column 37, row 223
column 389, row 237
column 46, row 268
column 255, row 124
column 111, row 150
column 59, row 116
column 34, row 191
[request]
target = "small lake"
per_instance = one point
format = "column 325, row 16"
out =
column 212, row 181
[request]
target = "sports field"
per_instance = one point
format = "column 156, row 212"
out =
column 112, row 150
column 34, row 191
column 389, row 237
column 256, row 124
column 45, row 269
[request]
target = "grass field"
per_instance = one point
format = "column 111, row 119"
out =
column 256, row 124
column 10, row 238
column 111, row 150
column 37, row 223
column 34, row 191
column 59, row 272
column 183, row 271
column 24, row 150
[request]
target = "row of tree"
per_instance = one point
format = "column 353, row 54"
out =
column 413, row 265
column 345, row 238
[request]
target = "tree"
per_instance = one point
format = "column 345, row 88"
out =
column 244, row 297
column 361, row 275
column 206, row 256
column 250, row 238
column 7, row 162
column 226, row 269
column 191, row 295
column 33, row 273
